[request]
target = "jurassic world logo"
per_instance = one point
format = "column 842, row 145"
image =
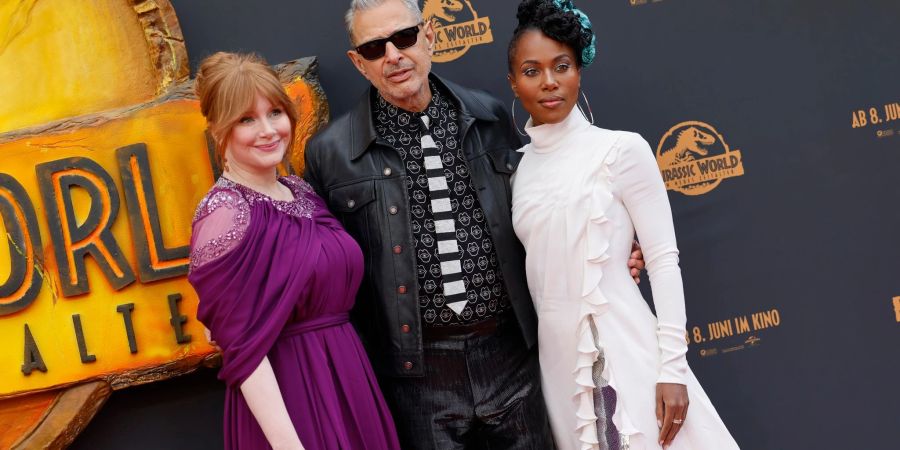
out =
column 694, row 158
column 454, row 37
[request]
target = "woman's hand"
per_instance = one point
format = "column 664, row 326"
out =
column 671, row 410
column 636, row 261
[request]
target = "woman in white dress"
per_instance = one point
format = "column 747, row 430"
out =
column 614, row 375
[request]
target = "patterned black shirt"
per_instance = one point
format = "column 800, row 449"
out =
column 481, row 270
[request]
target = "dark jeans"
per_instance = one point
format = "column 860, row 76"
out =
column 479, row 392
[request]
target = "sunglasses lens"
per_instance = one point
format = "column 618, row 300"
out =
column 372, row 50
column 402, row 39
column 405, row 38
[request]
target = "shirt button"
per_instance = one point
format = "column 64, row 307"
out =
column 387, row 171
column 397, row 249
column 407, row 365
column 392, row 210
column 401, row 289
column 351, row 203
column 405, row 328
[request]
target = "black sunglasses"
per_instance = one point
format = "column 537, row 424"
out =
column 404, row 38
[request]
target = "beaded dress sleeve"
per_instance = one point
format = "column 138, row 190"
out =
column 218, row 226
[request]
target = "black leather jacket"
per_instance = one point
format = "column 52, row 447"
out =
column 360, row 177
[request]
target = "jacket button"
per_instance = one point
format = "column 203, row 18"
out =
column 401, row 290
column 407, row 365
column 351, row 203
column 397, row 249
column 405, row 328
column 392, row 210
column 387, row 171
column 509, row 166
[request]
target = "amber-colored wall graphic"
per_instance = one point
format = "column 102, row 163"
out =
column 457, row 28
column 103, row 157
column 694, row 158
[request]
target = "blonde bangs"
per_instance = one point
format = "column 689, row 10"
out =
column 236, row 95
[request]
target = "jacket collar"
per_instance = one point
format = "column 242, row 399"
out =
column 362, row 128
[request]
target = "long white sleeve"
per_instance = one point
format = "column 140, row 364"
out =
column 637, row 178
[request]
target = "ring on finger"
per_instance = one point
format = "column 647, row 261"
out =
column 678, row 421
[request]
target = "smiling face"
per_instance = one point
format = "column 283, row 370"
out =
column 545, row 77
column 257, row 142
column 401, row 75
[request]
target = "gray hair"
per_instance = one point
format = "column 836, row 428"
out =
column 362, row 5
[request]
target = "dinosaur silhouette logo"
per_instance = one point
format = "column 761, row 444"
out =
column 454, row 37
column 442, row 9
column 686, row 146
column 694, row 158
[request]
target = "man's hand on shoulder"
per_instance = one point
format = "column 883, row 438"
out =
column 636, row 261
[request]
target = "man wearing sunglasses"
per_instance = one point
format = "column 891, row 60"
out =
column 458, row 367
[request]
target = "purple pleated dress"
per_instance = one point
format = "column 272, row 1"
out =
column 277, row 279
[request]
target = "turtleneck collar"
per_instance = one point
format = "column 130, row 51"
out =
column 549, row 137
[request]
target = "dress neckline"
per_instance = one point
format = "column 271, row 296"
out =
column 228, row 182
column 550, row 137
column 301, row 206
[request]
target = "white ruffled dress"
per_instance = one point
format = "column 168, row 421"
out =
column 579, row 195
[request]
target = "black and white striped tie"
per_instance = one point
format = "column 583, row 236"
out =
column 445, row 228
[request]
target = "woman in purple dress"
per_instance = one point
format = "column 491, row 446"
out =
column 277, row 275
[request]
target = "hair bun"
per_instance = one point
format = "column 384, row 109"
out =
column 561, row 21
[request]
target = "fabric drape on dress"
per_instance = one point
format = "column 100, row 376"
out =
column 249, row 294
column 279, row 282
